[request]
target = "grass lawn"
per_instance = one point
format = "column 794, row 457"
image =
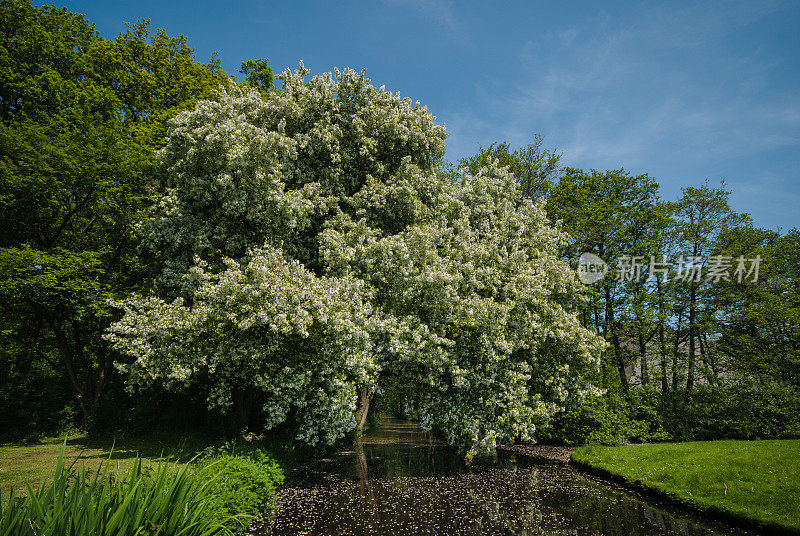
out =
column 35, row 461
column 762, row 478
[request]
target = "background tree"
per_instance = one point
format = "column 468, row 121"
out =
column 81, row 117
column 702, row 213
column 258, row 73
column 534, row 167
column 759, row 322
column 609, row 214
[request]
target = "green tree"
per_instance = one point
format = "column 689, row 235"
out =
column 81, row 118
column 258, row 73
column 612, row 214
column 534, row 167
column 649, row 296
column 702, row 213
column 759, row 321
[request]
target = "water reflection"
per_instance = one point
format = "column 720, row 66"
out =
column 403, row 482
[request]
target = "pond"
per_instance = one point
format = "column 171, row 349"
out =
column 400, row 481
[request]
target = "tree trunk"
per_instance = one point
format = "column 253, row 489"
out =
column 243, row 406
column 623, row 377
column 691, row 365
column 65, row 352
column 711, row 373
column 662, row 346
column 364, row 397
column 643, row 358
column 675, row 349
column 602, row 364
column 712, row 360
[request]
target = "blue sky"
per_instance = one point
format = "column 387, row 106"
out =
column 682, row 91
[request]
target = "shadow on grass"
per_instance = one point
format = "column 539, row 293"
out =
column 178, row 448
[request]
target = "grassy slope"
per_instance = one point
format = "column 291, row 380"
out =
column 36, row 461
column 762, row 477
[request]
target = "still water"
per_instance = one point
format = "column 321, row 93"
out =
column 400, row 481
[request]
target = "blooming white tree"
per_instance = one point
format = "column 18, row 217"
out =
column 308, row 247
column 478, row 309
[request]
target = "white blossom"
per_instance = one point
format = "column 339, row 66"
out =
column 308, row 246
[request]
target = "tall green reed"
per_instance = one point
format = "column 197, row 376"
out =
column 168, row 500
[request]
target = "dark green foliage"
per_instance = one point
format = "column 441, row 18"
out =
column 597, row 420
column 742, row 411
column 155, row 411
column 80, row 118
column 646, row 418
column 394, row 399
column 723, row 411
column 35, row 404
column 374, row 421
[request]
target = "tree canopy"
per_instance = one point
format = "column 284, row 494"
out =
column 81, row 118
column 309, row 246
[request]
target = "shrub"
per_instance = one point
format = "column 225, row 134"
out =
column 611, row 420
column 594, row 420
column 733, row 410
column 35, row 404
column 243, row 484
column 646, row 419
column 737, row 411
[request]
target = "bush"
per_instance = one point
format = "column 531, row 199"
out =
column 152, row 410
column 35, row 404
column 737, row 411
column 594, row 420
column 243, row 483
column 165, row 501
column 646, row 416
column 611, row 420
column 734, row 410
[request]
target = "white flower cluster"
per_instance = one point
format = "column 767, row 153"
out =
column 308, row 246
column 477, row 308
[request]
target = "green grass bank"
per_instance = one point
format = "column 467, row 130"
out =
column 753, row 482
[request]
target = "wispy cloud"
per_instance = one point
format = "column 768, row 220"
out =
column 615, row 95
column 673, row 92
column 439, row 12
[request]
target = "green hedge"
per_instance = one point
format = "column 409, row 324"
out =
column 739, row 411
column 732, row 411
